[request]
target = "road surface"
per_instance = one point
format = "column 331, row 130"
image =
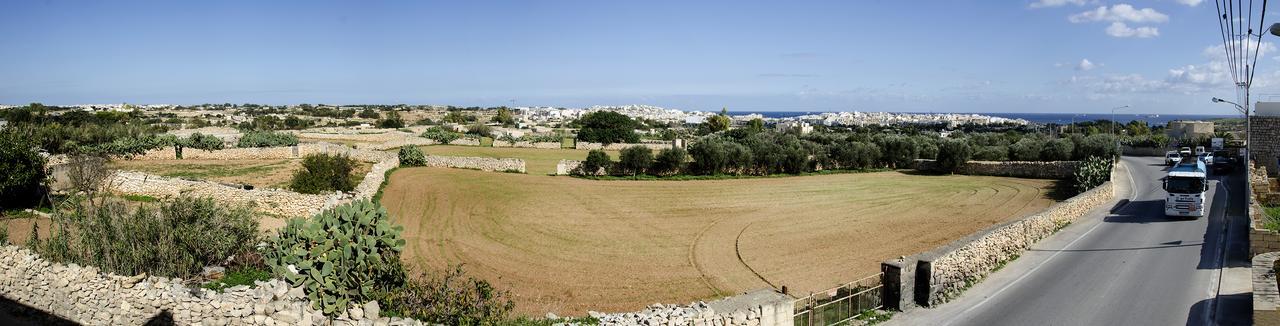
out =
column 1122, row 264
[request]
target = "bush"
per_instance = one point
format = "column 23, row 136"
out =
column 24, row 171
column 670, row 161
column 323, row 173
column 635, row 160
column 607, row 127
column 1026, row 149
column 480, row 130
column 202, row 141
column 440, row 135
column 596, row 161
column 990, row 153
column 266, row 139
column 1093, row 172
column 1060, row 149
column 412, row 156
column 346, row 255
column 1101, row 145
column 450, row 299
column 393, row 120
column 952, row 154
column 176, row 240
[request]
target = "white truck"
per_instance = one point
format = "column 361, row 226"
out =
column 1185, row 187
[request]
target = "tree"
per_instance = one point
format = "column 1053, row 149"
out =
column 457, row 117
column 1099, row 145
column 1060, row 149
column 24, row 172
column 898, row 152
column 669, row 161
column 323, row 173
column 369, row 114
column 480, row 130
column 755, row 125
column 1026, row 149
column 505, row 117
column 952, row 154
column 635, row 160
column 607, row 127
column 716, row 123
column 391, row 121
column 597, row 161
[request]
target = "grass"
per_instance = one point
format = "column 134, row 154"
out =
column 140, row 198
column 206, row 171
column 386, row 177
column 872, row 317
column 559, row 244
column 686, row 177
column 537, row 161
column 1273, row 218
column 237, row 277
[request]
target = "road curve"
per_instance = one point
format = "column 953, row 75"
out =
column 1122, row 264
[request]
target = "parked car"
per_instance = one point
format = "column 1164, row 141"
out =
column 1172, row 158
column 1207, row 158
column 1223, row 164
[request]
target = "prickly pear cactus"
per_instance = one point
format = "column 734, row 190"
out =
column 343, row 256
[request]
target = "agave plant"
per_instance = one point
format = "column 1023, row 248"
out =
column 343, row 256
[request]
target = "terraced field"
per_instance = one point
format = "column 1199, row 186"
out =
column 569, row 245
column 260, row 173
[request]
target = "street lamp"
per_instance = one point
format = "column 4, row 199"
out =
column 1113, row 117
column 1248, row 130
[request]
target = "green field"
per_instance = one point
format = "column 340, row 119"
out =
column 537, row 161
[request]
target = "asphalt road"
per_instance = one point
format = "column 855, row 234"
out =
column 1123, row 264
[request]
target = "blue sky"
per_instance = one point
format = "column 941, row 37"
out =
column 935, row 56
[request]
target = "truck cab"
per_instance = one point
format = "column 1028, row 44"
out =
column 1185, row 187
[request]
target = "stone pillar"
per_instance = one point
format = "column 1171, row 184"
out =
column 923, row 289
column 899, row 284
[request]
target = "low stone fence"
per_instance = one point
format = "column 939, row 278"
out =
column 1019, row 169
column 618, row 147
column 267, row 153
column 937, row 276
column 272, row 201
column 525, row 144
column 477, row 163
column 1266, row 297
column 1142, row 151
column 86, row 296
column 369, row 136
column 757, row 308
column 1261, row 239
column 566, row 167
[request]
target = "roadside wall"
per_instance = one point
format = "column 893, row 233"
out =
column 1261, row 240
column 764, row 307
column 86, row 296
column 1020, row 169
column 944, row 273
column 1266, row 142
column 1266, row 297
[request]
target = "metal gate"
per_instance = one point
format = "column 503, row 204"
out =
column 842, row 304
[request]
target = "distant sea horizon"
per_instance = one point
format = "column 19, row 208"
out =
column 1042, row 118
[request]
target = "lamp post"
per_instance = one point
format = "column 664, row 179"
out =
column 1248, row 133
column 1113, row 117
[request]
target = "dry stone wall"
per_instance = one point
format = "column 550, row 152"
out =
column 1266, row 297
column 86, row 296
column 1261, row 239
column 757, row 308
column 1266, row 142
column 618, row 147
column 566, row 167
column 954, row 267
column 1020, row 169
column 271, row 201
column 525, row 144
column 477, row 163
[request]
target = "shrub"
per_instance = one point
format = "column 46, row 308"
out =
column 450, row 299
column 952, row 154
column 1093, row 172
column 607, row 127
column 991, row 153
column 480, row 130
column 635, row 160
column 1026, row 149
column 1101, row 145
column 393, row 120
column 440, row 135
column 412, row 156
column 266, row 139
column 596, row 161
column 669, row 161
column 346, row 255
column 1060, row 149
column 323, row 173
column 24, row 172
column 175, row 240
column 202, row 141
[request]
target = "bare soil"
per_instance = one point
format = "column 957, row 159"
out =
column 568, row 245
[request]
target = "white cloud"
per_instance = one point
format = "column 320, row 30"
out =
column 1192, row 3
column 1120, row 13
column 1213, row 76
column 1085, row 65
column 1119, row 29
column 1059, row 3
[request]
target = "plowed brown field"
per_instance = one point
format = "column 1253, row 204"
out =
column 569, row 245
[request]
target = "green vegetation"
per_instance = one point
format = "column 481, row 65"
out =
column 537, row 161
column 140, row 198
column 458, row 117
column 1093, row 172
column 236, row 277
column 716, row 123
column 323, row 173
column 634, row 160
column 209, row 171
column 952, row 154
column 440, row 135
column 177, row 238
column 392, row 121
column 343, row 256
column 24, row 171
column 596, row 161
column 412, row 156
column 505, row 117
column 452, row 298
column 1273, row 218
column 607, row 127
column 266, row 139
column 669, row 162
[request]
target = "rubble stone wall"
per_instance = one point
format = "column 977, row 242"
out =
column 1020, row 169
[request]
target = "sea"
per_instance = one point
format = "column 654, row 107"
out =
column 1043, row 118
